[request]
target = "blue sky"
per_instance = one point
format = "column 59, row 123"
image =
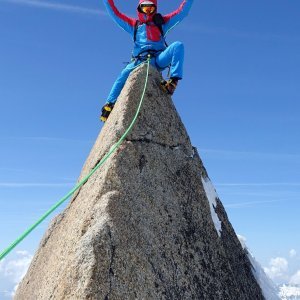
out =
column 239, row 101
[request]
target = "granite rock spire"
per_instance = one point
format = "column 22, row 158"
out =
column 148, row 224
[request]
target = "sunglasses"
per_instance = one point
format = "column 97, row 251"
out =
column 148, row 8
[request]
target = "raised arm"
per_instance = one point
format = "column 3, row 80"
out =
column 174, row 18
column 125, row 22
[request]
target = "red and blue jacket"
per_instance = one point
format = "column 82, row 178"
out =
column 148, row 35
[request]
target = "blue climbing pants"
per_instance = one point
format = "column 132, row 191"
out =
column 172, row 56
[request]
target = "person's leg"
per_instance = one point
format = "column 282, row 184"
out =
column 115, row 91
column 119, row 84
column 172, row 56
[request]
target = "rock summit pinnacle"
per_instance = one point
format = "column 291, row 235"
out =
column 148, row 224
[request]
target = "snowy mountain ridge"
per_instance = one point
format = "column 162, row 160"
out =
column 270, row 290
column 289, row 292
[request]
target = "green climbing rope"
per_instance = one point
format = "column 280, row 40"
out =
column 85, row 179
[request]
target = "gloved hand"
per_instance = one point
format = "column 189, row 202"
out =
column 106, row 110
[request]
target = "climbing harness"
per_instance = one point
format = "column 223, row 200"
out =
column 143, row 56
column 85, row 179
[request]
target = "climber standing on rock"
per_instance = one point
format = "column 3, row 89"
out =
column 148, row 33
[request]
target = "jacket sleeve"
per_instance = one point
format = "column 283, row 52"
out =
column 125, row 22
column 175, row 17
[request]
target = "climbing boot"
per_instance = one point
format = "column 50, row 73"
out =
column 106, row 110
column 169, row 86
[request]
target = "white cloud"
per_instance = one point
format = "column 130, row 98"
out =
column 277, row 269
column 283, row 270
column 34, row 184
column 23, row 252
column 249, row 203
column 293, row 253
column 47, row 139
column 232, row 154
column 260, row 184
column 16, row 269
column 57, row 6
column 295, row 279
column 12, row 272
